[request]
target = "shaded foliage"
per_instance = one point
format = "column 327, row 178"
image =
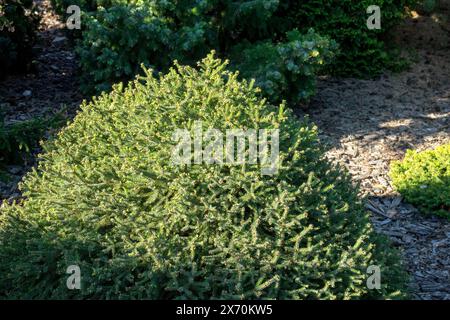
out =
column 18, row 25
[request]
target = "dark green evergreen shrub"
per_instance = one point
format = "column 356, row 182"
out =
column 423, row 178
column 118, row 39
column 107, row 198
column 189, row 29
column 364, row 52
column 18, row 24
column 285, row 70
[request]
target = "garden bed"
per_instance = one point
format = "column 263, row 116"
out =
column 365, row 123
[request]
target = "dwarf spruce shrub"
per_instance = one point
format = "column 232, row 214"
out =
column 423, row 178
column 118, row 40
column 107, row 198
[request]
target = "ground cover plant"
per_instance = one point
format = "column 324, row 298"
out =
column 107, row 197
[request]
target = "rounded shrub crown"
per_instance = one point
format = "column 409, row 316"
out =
column 107, row 198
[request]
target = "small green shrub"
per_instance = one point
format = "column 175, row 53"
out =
column 423, row 178
column 18, row 25
column 117, row 40
column 107, row 198
column 17, row 139
column 285, row 70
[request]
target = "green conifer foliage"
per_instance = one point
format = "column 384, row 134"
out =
column 107, row 198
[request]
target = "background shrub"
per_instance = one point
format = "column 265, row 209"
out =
column 118, row 39
column 363, row 52
column 107, row 198
column 285, row 70
column 423, row 178
column 189, row 29
column 18, row 24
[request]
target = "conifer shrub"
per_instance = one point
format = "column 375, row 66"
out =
column 118, row 39
column 107, row 198
column 364, row 52
column 423, row 178
column 187, row 30
column 18, row 25
column 286, row 70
